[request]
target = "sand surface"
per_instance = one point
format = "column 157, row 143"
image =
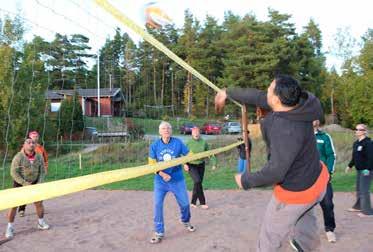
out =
column 98, row 220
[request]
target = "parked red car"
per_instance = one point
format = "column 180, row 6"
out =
column 186, row 128
column 211, row 128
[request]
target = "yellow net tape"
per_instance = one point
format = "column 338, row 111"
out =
column 24, row 195
column 153, row 41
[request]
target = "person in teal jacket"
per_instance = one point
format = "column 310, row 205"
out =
column 196, row 168
column 327, row 156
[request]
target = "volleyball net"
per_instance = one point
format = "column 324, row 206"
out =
column 71, row 116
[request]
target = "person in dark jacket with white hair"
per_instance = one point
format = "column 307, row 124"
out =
column 362, row 159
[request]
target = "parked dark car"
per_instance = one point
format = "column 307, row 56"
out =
column 186, row 128
column 211, row 128
column 90, row 133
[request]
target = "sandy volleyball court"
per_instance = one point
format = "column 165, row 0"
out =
column 98, row 220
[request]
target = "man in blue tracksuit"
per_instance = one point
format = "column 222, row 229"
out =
column 169, row 180
column 327, row 155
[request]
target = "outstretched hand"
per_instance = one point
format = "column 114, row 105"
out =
column 220, row 98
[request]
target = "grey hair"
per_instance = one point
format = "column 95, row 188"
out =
column 364, row 126
column 164, row 123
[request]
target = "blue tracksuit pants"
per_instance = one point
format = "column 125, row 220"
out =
column 179, row 190
column 241, row 165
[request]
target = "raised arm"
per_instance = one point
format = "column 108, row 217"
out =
column 249, row 96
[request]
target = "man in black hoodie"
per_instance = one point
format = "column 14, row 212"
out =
column 293, row 167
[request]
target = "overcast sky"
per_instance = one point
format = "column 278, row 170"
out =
column 46, row 17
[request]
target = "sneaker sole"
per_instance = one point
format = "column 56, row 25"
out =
column 41, row 228
column 191, row 230
column 156, row 241
column 353, row 210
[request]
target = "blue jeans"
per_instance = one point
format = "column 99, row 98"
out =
column 241, row 165
column 179, row 190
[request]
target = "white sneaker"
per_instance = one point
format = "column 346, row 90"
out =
column 157, row 238
column 9, row 234
column 189, row 226
column 330, row 235
column 43, row 225
column 21, row 213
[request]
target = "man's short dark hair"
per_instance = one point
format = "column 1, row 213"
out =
column 28, row 138
column 288, row 90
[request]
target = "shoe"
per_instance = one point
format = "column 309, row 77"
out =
column 193, row 205
column 330, row 235
column 353, row 210
column 157, row 238
column 189, row 226
column 43, row 225
column 9, row 234
column 295, row 245
column 21, row 213
column 205, row 207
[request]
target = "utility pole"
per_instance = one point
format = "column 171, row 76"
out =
column 98, row 85
column 110, row 82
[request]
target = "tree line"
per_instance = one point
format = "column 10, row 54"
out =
column 240, row 51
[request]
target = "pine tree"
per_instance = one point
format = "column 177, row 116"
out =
column 71, row 119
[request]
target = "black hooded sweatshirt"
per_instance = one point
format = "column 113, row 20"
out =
column 294, row 161
column 362, row 152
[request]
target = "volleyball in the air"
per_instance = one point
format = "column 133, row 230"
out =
column 155, row 16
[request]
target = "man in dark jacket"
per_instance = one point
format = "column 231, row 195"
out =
column 327, row 155
column 294, row 165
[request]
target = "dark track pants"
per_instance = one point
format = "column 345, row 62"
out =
column 327, row 207
column 363, row 202
column 197, row 172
